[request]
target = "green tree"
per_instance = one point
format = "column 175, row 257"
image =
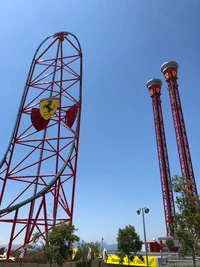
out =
column 58, row 247
column 128, row 242
column 82, row 254
column 59, row 238
column 95, row 250
column 170, row 242
column 87, row 252
column 2, row 250
column 39, row 250
column 186, row 226
column 38, row 238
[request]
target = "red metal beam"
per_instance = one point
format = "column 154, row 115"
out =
column 35, row 158
column 154, row 87
column 170, row 69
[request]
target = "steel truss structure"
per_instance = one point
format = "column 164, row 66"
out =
column 38, row 170
column 170, row 69
column 154, row 87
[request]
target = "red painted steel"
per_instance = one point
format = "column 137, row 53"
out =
column 35, row 157
column 154, row 87
column 170, row 70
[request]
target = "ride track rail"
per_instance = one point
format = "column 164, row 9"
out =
column 41, row 192
column 47, row 186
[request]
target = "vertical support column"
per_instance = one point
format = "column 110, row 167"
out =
column 169, row 69
column 154, row 87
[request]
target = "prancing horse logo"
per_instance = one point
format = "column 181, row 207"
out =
column 48, row 107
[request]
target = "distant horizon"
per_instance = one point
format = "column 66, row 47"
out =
column 104, row 244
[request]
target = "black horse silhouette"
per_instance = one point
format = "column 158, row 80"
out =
column 48, row 106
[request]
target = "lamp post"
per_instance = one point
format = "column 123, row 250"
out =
column 144, row 210
column 102, row 246
column 154, row 242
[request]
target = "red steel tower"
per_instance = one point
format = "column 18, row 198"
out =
column 38, row 170
column 154, row 87
column 169, row 69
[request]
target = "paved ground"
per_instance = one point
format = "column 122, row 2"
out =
column 181, row 264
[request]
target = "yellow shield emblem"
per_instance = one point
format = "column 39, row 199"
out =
column 48, row 107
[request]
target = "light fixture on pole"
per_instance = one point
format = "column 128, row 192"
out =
column 144, row 210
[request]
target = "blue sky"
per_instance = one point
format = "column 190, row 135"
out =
column 124, row 43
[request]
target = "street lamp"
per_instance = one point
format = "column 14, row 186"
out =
column 154, row 242
column 144, row 210
column 102, row 246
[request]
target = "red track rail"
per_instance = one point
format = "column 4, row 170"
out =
column 38, row 171
column 169, row 70
column 154, row 87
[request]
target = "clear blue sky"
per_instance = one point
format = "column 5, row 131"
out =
column 124, row 43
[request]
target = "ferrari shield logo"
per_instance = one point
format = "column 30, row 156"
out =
column 48, row 107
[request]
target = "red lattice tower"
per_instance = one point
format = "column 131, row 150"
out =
column 154, row 87
column 38, row 170
column 169, row 69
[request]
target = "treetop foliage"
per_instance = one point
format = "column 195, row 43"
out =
column 59, row 243
column 129, row 242
column 87, row 252
column 170, row 242
column 186, row 222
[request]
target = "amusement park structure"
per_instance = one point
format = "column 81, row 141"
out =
column 170, row 69
column 38, row 169
column 154, row 87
